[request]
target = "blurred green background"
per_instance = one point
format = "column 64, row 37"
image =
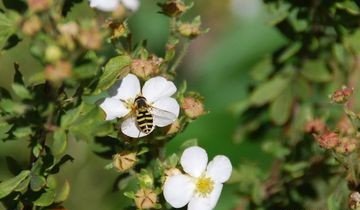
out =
column 216, row 65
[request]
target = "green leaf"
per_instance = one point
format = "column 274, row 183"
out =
column 269, row 90
column 63, row 193
column 290, row 51
column 349, row 6
column 60, row 142
column 113, row 70
column 21, row 91
column 46, row 199
column 6, row 187
column 316, row 71
column 8, row 27
column 262, row 69
column 280, row 109
column 4, row 129
column 37, row 182
column 37, row 150
column 23, row 186
column 22, row 132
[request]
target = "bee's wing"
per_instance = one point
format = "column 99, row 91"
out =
column 162, row 117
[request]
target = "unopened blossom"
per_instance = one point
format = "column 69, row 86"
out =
column 342, row 95
column 39, row 5
column 346, row 145
column 157, row 91
column 112, row 5
column 31, row 26
column 193, row 107
column 328, row 139
column 315, row 126
column 145, row 199
column 354, row 200
column 124, row 161
column 202, row 184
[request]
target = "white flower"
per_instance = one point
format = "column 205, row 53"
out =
column 156, row 91
column 111, row 5
column 201, row 186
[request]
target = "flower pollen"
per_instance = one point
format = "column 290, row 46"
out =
column 204, row 186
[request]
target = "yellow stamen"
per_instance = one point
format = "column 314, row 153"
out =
column 204, row 186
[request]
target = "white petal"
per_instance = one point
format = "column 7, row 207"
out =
column 206, row 203
column 219, row 168
column 194, row 160
column 129, row 128
column 106, row 6
column 178, row 190
column 113, row 108
column 132, row 5
column 165, row 111
column 158, row 87
column 127, row 88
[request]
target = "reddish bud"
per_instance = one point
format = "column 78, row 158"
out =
column 347, row 145
column 31, row 26
column 173, row 8
column 58, row 72
column 124, row 161
column 193, row 107
column 342, row 96
column 90, row 38
column 39, row 5
column 327, row 140
column 146, row 68
column 315, row 126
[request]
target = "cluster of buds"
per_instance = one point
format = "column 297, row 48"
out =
column 90, row 36
column 146, row 68
column 342, row 96
column 316, row 126
column 332, row 140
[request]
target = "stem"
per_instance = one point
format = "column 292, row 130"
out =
column 179, row 58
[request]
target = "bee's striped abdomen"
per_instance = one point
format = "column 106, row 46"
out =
column 144, row 120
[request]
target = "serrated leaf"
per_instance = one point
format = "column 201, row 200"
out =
column 7, row 186
column 67, row 5
column 113, row 70
column 37, row 182
column 60, row 142
column 269, row 90
column 280, row 109
column 316, row 71
column 45, row 199
column 63, row 192
column 21, row 91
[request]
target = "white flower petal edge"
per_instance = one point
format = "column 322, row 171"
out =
column 132, row 5
column 158, row 87
column 105, row 5
column 129, row 128
column 206, row 203
column 178, row 190
column 113, row 108
column 127, row 89
column 194, row 161
column 219, row 168
column 166, row 112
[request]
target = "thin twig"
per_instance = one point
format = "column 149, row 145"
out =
column 180, row 57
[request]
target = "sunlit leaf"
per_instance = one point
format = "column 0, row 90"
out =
column 46, row 199
column 280, row 108
column 7, row 186
column 63, row 193
column 37, row 182
column 60, row 142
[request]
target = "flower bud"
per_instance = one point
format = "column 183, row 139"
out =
column 189, row 30
column 69, row 29
column 146, row 68
column 58, row 72
column 53, row 53
column 173, row 8
column 118, row 29
column 39, row 5
column 342, row 96
column 193, row 107
column 31, row 26
column 315, row 126
column 124, row 161
column 327, row 140
column 173, row 127
column 172, row 172
column 354, row 201
column 90, row 38
column 145, row 199
column 345, row 126
column 347, row 145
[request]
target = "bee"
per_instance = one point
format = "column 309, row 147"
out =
column 144, row 119
column 147, row 116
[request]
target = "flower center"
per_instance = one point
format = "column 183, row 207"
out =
column 204, row 186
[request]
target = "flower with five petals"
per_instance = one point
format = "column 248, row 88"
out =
column 201, row 187
column 157, row 92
